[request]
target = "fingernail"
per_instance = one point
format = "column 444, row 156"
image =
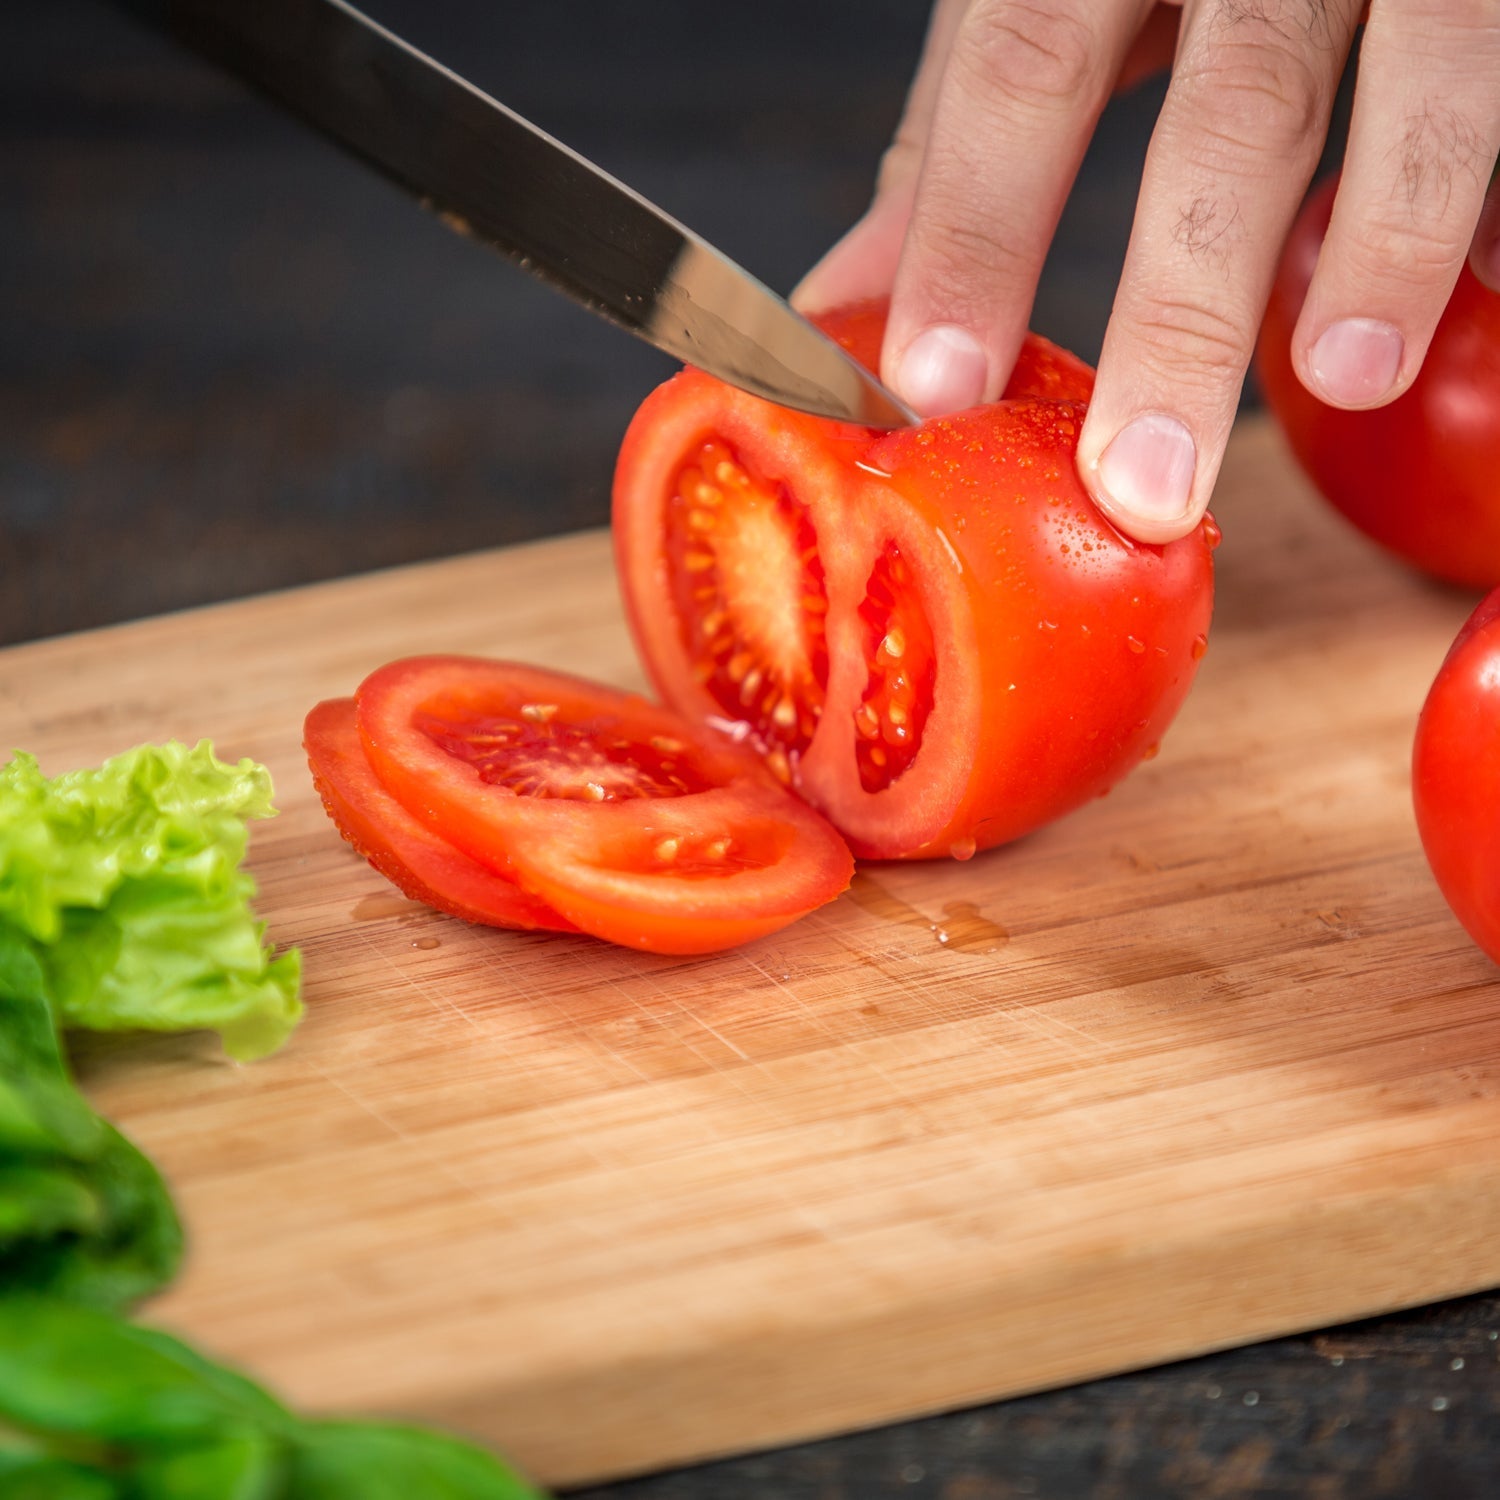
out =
column 942, row 370
column 1147, row 469
column 1355, row 361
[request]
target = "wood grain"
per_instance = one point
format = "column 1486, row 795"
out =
column 1207, row 1061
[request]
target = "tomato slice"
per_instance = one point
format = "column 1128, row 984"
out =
column 932, row 635
column 616, row 813
column 413, row 858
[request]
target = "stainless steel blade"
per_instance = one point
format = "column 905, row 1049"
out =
column 496, row 177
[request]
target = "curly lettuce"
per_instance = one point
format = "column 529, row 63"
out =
column 126, row 881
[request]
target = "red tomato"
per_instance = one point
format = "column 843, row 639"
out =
column 1417, row 476
column 615, row 813
column 1456, row 776
column 413, row 858
column 932, row 634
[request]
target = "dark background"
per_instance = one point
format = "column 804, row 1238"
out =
column 231, row 360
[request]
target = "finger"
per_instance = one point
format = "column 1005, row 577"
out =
column 1018, row 100
column 863, row 263
column 1422, row 141
column 1236, row 143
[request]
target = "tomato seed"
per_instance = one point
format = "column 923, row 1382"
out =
column 748, row 584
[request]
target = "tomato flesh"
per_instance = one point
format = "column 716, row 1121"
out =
column 750, row 593
column 583, row 761
column 932, row 635
column 625, row 819
column 413, row 858
column 902, row 672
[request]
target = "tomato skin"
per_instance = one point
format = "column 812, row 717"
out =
column 1456, row 776
column 1061, row 650
column 1417, row 476
column 598, row 864
column 413, row 858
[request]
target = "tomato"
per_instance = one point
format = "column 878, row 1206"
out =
column 931, row 634
column 1418, row 476
column 1456, row 776
column 413, row 858
column 612, row 812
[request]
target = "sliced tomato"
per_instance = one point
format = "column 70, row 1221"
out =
column 932, row 635
column 615, row 813
column 413, row 858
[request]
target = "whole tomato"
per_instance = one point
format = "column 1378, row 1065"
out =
column 1456, row 776
column 931, row 635
column 1418, row 476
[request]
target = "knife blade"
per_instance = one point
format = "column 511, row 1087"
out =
column 494, row 176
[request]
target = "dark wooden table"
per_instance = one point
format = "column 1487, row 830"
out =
column 231, row 360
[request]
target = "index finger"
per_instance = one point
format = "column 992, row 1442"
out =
column 1020, row 94
column 1238, row 138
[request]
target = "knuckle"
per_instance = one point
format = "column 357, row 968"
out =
column 1251, row 97
column 1190, row 343
column 1029, row 50
column 1406, row 256
column 965, row 252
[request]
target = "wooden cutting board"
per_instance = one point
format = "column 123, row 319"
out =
column 1207, row 1061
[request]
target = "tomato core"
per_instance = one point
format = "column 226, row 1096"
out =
column 752, row 597
column 902, row 678
column 587, row 760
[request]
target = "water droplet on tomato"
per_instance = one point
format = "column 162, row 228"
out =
column 1199, row 647
column 1136, row 646
column 1211, row 532
column 963, row 848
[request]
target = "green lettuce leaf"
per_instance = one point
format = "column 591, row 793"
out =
column 82, row 1213
column 126, row 879
column 84, row 1390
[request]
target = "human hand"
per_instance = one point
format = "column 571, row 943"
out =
column 1005, row 99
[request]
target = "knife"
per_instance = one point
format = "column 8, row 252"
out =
column 492, row 175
